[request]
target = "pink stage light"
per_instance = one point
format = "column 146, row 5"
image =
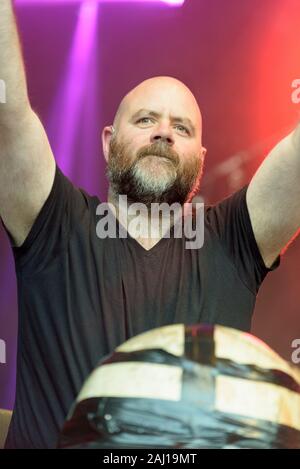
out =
column 172, row 3
column 69, row 100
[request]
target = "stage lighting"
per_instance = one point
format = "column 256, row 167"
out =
column 174, row 3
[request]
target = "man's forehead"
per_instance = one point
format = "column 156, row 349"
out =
column 164, row 96
column 160, row 109
column 162, row 100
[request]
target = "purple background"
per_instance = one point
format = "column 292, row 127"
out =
column 238, row 57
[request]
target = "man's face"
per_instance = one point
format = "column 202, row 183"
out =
column 155, row 154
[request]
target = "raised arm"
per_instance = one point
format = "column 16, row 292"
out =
column 27, row 165
column 273, row 198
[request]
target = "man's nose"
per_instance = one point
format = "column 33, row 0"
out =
column 163, row 133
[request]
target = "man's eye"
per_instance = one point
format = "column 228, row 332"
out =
column 143, row 119
column 182, row 129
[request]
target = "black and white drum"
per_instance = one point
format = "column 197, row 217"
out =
column 180, row 386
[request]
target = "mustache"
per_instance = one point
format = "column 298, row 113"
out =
column 161, row 150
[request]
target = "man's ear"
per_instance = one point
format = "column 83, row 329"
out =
column 106, row 136
column 203, row 153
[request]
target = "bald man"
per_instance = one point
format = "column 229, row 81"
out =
column 81, row 295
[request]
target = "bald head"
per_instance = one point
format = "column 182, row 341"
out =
column 162, row 93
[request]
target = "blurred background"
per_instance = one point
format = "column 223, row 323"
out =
column 238, row 57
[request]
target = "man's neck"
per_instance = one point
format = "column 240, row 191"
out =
column 155, row 225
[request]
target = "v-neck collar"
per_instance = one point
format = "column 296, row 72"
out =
column 148, row 252
column 143, row 251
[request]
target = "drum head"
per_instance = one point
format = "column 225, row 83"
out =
column 180, row 386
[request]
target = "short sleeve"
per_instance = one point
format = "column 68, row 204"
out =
column 65, row 206
column 230, row 221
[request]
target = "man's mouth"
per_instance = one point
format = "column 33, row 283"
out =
column 160, row 156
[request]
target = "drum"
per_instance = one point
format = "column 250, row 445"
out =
column 178, row 386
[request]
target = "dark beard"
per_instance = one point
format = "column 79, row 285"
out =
column 122, row 177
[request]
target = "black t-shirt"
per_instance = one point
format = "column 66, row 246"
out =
column 81, row 296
